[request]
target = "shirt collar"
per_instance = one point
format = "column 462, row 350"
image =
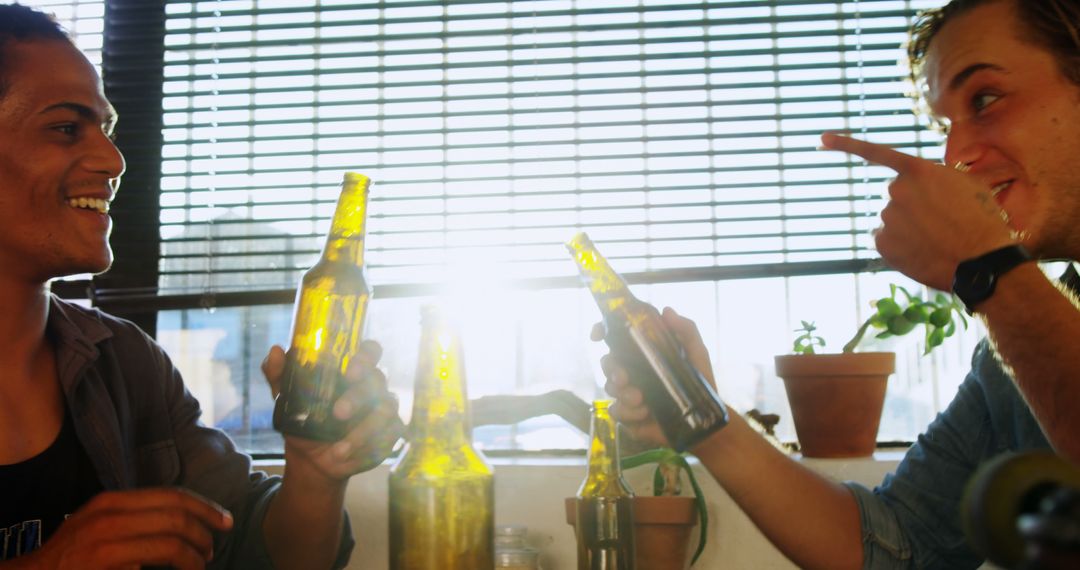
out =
column 76, row 328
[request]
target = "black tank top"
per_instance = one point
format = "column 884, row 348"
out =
column 36, row 495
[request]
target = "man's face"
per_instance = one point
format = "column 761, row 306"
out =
column 1014, row 119
column 59, row 169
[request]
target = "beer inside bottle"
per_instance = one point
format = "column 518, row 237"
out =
column 683, row 402
column 605, row 509
column 441, row 488
column 328, row 321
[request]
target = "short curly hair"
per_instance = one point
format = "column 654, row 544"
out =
column 20, row 23
column 1050, row 24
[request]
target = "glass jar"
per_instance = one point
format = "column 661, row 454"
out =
column 511, row 550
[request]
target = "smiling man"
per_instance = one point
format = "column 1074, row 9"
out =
column 103, row 460
column 1003, row 78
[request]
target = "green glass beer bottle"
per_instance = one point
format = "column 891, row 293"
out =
column 441, row 488
column 684, row 404
column 605, row 508
column 328, row 320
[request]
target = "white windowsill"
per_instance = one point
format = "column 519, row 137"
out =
column 531, row 490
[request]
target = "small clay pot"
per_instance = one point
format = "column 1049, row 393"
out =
column 836, row 400
column 663, row 530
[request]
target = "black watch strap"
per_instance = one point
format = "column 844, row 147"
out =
column 976, row 278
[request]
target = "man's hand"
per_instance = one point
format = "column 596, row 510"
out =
column 130, row 529
column 936, row 216
column 629, row 408
column 367, row 406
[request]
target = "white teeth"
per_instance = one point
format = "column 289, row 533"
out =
column 997, row 189
column 97, row 204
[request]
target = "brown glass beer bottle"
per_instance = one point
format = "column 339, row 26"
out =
column 681, row 400
column 604, row 526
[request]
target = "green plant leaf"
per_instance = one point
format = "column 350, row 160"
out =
column 887, row 308
column 911, row 299
column 658, row 455
column 934, row 338
column 658, row 481
column 941, row 316
column 900, row 325
column 703, row 511
column 916, row 314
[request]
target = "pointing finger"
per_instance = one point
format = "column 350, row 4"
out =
column 872, row 152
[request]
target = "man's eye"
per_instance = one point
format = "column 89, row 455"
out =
column 983, row 100
column 69, row 129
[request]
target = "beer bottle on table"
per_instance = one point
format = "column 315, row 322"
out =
column 604, row 526
column 328, row 320
column 441, row 488
column 681, row 400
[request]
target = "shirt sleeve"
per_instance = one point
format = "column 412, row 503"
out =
column 912, row 520
column 213, row 467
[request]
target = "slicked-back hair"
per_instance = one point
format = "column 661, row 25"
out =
column 1053, row 25
column 20, row 23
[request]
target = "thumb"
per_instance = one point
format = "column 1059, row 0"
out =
column 686, row 332
column 272, row 368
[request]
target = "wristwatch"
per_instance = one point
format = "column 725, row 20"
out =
column 975, row 278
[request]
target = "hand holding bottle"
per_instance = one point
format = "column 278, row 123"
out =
column 683, row 401
column 629, row 407
column 367, row 407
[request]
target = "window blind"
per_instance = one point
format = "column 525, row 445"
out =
column 681, row 136
column 83, row 20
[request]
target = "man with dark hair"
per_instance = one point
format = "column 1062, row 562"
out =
column 1001, row 77
column 103, row 460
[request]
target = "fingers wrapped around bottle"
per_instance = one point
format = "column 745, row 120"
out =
column 371, row 411
column 629, row 408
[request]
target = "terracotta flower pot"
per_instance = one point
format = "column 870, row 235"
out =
column 836, row 400
column 662, row 530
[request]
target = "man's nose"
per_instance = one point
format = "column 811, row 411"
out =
column 963, row 146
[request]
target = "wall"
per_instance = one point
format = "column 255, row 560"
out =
column 531, row 492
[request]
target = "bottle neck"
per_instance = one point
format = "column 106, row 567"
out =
column 607, row 287
column 440, row 413
column 604, row 476
column 344, row 250
column 345, row 241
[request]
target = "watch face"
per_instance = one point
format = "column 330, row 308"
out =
column 976, row 278
column 981, row 281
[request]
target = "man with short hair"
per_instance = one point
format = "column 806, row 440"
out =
column 1003, row 78
column 103, row 460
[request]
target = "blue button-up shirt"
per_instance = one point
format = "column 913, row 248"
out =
column 912, row 520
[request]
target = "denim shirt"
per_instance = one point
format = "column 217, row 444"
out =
column 140, row 426
column 912, row 520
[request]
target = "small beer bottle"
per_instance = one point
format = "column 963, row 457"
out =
column 328, row 320
column 441, row 488
column 683, row 403
column 605, row 509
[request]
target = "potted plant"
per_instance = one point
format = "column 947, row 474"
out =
column 836, row 399
column 664, row 521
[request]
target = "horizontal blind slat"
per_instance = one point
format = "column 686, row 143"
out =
column 493, row 131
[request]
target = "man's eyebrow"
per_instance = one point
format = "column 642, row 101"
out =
column 86, row 112
column 959, row 79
